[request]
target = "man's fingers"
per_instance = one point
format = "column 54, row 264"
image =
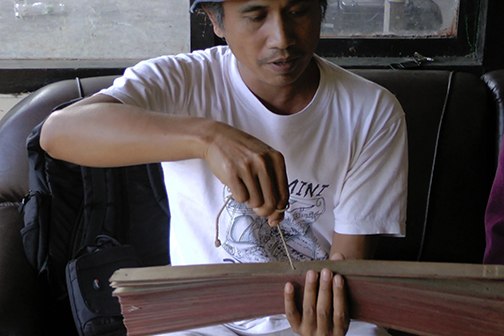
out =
column 238, row 189
column 282, row 183
column 325, row 300
column 273, row 183
column 260, row 181
column 310, row 301
column 291, row 309
column 324, row 305
column 254, row 190
column 254, row 172
column 341, row 318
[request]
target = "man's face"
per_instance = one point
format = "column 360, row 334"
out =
column 273, row 40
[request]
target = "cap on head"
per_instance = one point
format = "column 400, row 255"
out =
column 197, row 2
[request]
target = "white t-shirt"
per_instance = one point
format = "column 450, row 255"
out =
column 345, row 153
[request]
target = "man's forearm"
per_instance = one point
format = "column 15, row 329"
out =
column 354, row 246
column 103, row 134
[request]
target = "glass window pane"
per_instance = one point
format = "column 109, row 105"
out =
column 92, row 29
column 391, row 18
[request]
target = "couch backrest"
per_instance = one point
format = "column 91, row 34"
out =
column 451, row 134
column 20, row 120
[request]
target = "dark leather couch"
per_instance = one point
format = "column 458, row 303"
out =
column 454, row 124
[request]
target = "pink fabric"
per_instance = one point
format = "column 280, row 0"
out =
column 494, row 217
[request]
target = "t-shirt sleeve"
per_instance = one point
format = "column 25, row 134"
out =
column 160, row 84
column 374, row 197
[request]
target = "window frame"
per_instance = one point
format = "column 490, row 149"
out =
column 464, row 51
column 467, row 43
column 28, row 76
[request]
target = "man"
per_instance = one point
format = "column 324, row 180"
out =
column 265, row 130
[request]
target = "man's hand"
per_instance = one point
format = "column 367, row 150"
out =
column 254, row 172
column 324, row 310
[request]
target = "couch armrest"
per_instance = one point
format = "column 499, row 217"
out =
column 495, row 83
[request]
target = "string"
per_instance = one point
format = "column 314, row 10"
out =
column 217, row 241
column 285, row 247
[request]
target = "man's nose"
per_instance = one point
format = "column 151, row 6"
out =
column 281, row 33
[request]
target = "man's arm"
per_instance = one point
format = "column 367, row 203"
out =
column 101, row 132
column 354, row 246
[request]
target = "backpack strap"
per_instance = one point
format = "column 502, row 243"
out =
column 94, row 209
column 104, row 207
column 155, row 174
column 35, row 206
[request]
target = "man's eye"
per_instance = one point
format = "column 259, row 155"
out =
column 256, row 18
column 299, row 11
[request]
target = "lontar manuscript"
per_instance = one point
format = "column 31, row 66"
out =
column 417, row 297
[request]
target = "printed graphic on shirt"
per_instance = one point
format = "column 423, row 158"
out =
column 249, row 238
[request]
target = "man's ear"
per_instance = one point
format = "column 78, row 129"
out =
column 217, row 28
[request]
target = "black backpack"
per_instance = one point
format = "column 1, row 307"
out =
column 80, row 225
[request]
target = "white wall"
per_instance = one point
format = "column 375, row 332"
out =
column 96, row 29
